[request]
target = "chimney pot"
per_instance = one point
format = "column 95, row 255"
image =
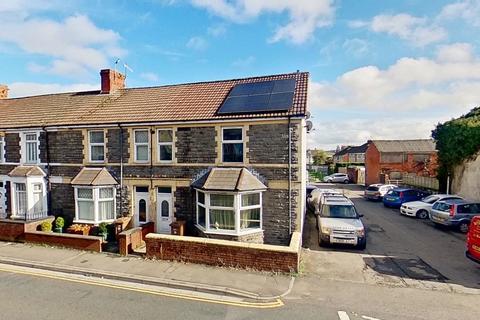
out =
column 111, row 80
column 3, row 91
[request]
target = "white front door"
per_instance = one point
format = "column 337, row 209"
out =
column 164, row 211
column 2, row 200
column 142, row 203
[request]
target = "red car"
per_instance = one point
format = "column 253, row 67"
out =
column 473, row 240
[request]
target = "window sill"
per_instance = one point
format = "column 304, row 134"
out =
column 229, row 233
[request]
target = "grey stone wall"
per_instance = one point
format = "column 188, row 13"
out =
column 66, row 146
column 63, row 201
column 196, row 145
column 184, row 203
column 64, row 171
column 275, row 216
column 268, row 143
column 114, row 146
column 5, row 169
column 169, row 172
column 12, row 147
column 124, row 201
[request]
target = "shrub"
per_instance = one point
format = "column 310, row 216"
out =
column 102, row 228
column 59, row 222
column 46, row 226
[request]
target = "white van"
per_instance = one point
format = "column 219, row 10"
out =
column 339, row 222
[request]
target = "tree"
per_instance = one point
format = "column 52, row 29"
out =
column 319, row 157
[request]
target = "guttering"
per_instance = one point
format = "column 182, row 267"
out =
column 152, row 123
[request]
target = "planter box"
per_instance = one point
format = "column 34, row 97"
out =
column 83, row 232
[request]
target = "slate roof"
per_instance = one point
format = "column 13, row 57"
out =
column 229, row 179
column 27, row 171
column 94, row 177
column 359, row 149
column 413, row 146
column 182, row 102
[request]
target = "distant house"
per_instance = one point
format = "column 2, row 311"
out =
column 394, row 157
column 351, row 155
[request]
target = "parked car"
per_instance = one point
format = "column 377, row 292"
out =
column 395, row 197
column 473, row 240
column 377, row 191
column 339, row 222
column 454, row 213
column 421, row 209
column 315, row 197
column 337, row 177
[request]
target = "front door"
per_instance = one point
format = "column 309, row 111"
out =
column 142, row 204
column 164, row 209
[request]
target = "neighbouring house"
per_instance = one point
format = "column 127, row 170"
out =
column 351, row 155
column 392, row 158
column 228, row 157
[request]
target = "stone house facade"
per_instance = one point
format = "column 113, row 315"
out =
column 162, row 154
column 394, row 157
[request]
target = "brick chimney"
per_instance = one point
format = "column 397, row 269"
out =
column 3, row 91
column 111, row 80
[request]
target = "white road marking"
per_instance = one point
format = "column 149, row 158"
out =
column 343, row 315
column 369, row 318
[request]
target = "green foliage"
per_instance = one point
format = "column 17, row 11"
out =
column 457, row 140
column 102, row 228
column 59, row 222
column 319, row 157
column 46, row 226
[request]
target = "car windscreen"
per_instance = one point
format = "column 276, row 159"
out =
column 430, row 199
column 372, row 188
column 339, row 211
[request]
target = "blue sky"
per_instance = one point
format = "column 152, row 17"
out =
column 379, row 69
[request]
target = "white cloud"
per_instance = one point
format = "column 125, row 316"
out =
column 197, row 43
column 76, row 45
column 150, row 76
column 458, row 52
column 305, row 16
column 356, row 47
column 22, row 89
column 469, row 10
column 244, row 63
column 417, row 31
column 217, row 31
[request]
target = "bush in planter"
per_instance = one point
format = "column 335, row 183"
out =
column 102, row 230
column 46, row 226
column 59, row 224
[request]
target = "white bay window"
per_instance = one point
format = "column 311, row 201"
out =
column 229, row 213
column 94, row 204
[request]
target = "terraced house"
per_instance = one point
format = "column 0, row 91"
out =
column 227, row 157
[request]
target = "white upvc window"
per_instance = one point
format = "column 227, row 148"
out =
column 142, row 145
column 165, row 145
column 38, row 198
column 21, row 203
column 2, row 149
column 229, row 213
column 30, row 148
column 232, row 144
column 96, row 146
column 95, row 204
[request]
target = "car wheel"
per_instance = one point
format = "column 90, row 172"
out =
column 362, row 245
column 463, row 227
column 422, row 214
column 322, row 243
column 329, row 181
column 345, row 181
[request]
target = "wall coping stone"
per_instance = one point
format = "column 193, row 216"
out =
column 65, row 235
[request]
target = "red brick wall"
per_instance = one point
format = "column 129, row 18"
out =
column 372, row 165
column 129, row 240
column 74, row 241
column 222, row 253
column 13, row 230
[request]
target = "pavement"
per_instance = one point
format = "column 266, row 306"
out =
column 242, row 284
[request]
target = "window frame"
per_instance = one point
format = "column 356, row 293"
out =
column 96, row 144
column 2, row 149
column 237, row 210
column 136, row 144
column 17, row 198
column 24, row 148
column 165, row 144
column 223, row 141
column 96, row 204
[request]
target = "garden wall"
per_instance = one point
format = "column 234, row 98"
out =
column 74, row 241
column 14, row 230
column 225, row 253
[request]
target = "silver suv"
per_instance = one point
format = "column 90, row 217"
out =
column 337, row 177
column 339, row 222
column 454, row 213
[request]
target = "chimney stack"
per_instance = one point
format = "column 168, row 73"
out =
column 3, row 91
column 112, row 80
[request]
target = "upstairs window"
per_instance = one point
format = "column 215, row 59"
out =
column 232, row 144
column 142, row 139
column 2, row 149
column 96, row 140
column 165, row 145
column 30, row 147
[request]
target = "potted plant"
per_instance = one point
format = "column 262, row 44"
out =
column 46, row 226
column 59, row 224
column 102, row 230
column 82, row 229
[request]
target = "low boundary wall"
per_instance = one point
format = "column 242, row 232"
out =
column 14, row 230
column 129, row 240
column 74, row 241
column 225, row 253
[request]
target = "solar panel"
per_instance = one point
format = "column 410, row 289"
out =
column 265, row 96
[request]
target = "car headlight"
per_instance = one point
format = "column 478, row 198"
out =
column 326, row 230
column 360, row 232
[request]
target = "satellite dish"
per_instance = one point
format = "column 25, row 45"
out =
column 309, row 126
column 308, row 115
